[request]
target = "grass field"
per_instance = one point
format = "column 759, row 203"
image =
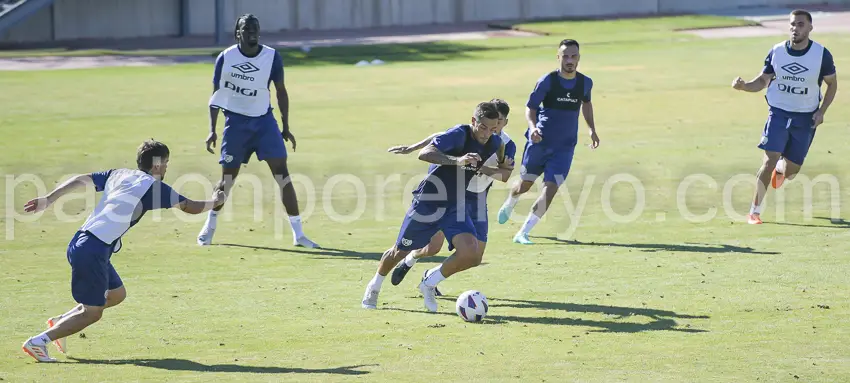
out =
column 657, row 298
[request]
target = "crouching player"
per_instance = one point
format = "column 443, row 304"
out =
column 127, row 195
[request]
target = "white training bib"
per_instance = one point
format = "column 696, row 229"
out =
column 123, row 193
column 795, row 88
column 244, row 84
column 480, row 182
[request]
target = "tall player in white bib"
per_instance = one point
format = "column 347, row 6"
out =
column 793, row 73
column 476, row 192
column 243, row 74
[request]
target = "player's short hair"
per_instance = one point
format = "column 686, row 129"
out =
column 487, row 110
column 244, row 19
column 568, row 43
column 502, row 106
column 148, row 152
column 800, row 12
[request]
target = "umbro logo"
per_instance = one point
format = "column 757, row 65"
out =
column 794, row 68
column 246, row 67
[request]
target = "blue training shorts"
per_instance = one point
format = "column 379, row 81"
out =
column 553, row 163
column 92, row 274
column 244, row 136
column 788, row 133
column 424, row 219
column 477, row 211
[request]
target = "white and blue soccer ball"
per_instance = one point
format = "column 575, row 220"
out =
column 472, row 306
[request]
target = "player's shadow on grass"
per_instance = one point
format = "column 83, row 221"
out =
column 188, row 365
column 660, row 320
column 325, row 252
column 834, row 223
column 409, row 52
column 683, row 248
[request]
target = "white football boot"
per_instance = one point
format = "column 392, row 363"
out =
column 370, row 299
column 39, row 353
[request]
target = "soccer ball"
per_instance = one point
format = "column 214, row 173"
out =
column 472, row 306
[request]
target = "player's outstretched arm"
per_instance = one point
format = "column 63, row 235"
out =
column 755, row 85
column 200, row 207
column 407, row 149
column 433, row 155
column 36, row 205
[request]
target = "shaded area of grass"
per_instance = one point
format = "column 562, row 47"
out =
column 597, row 30
column 587, row 32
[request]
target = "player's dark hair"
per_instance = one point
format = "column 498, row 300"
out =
column 243, row 20
column 800, row 12
column 148, row 152
column 502, row 106
column 486, row 110
column 568, row 43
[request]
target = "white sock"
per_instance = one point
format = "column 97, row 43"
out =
column 41, row 339
column 435, row 276
column 780, row 166
column 529, row 223
column 409, row 260
column 212, row 217
column 376, row 282
column 69, row 313
column 755, row 209
column 511, row 201
column 297, row 230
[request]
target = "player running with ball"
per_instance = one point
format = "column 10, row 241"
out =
column 494, row 168
column 439, row 204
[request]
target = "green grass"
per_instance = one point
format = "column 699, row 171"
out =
column 647, row 300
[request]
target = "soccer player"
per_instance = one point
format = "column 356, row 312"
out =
column 552, row 134
column 439, row 204
column 127, row 195
column 476, row 193
column 241, row 81
column 793, row 73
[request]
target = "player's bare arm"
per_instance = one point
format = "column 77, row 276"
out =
column 212, row 137
column 199, row 207
column 501, row 173
column 36, row 205
column 407, row 149
column 755, row 85
column 831, row 82
column 433, row 155
column 587, row 112
column 283, row 106
column 531, row 118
